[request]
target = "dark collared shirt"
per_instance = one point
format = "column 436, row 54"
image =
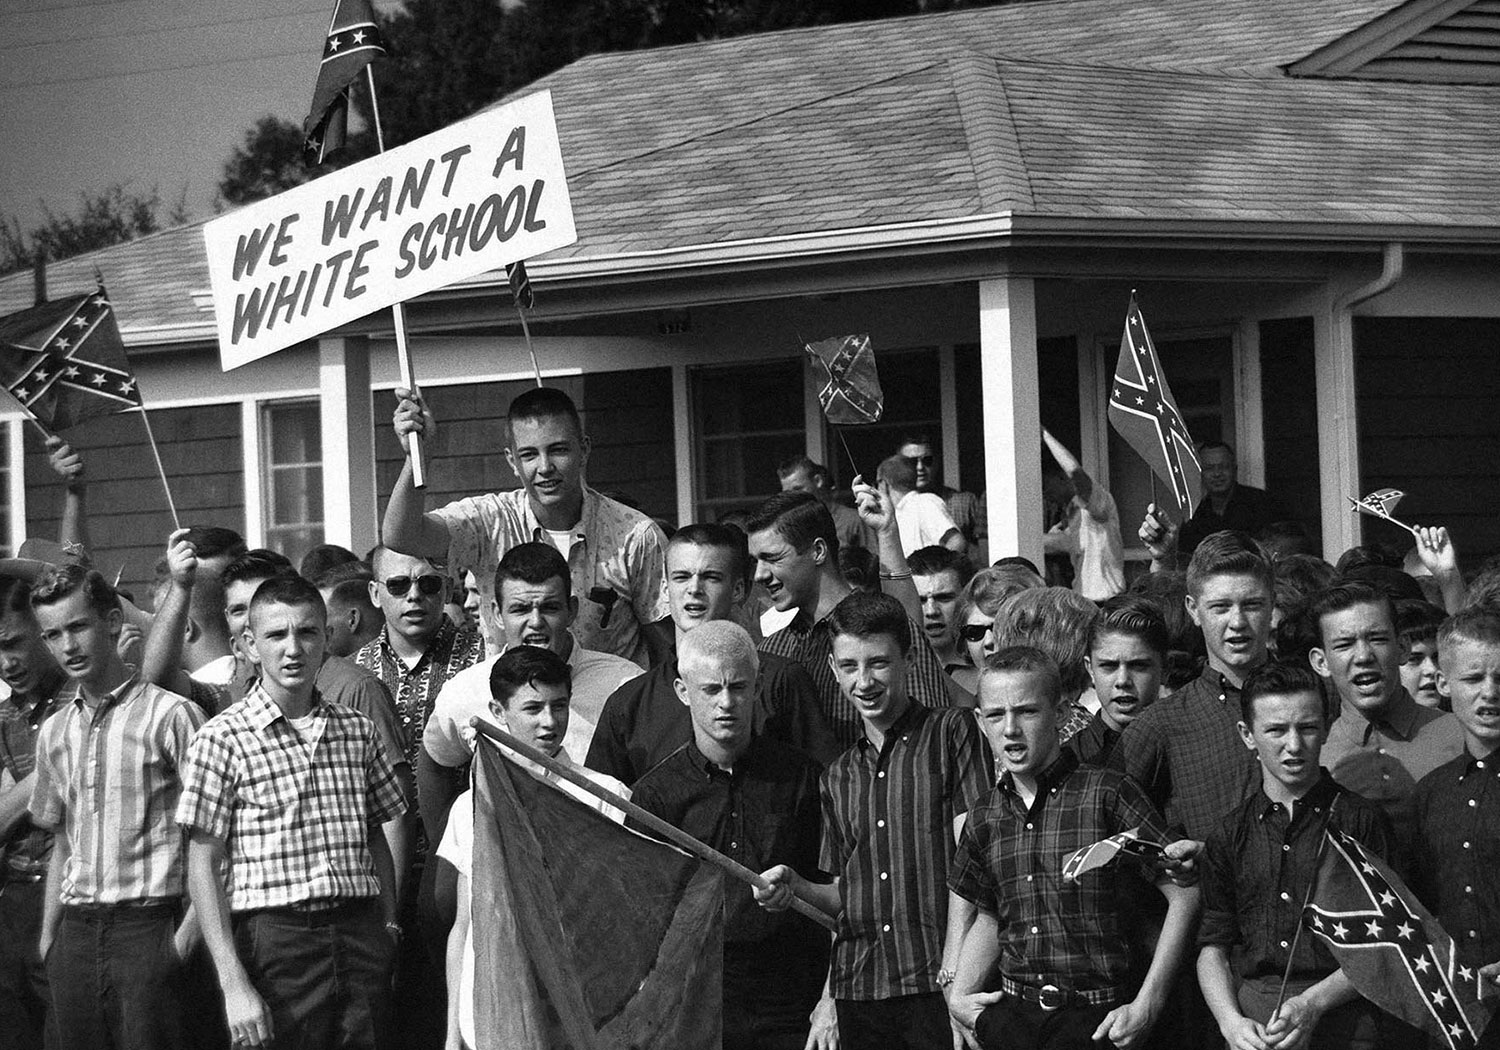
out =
column 1248, row 510
column 1010, row 860
column 888, row 817
column 1384, row 759
column 1458, row 853
column 1186, row 751
column 26, row 851
column 811, row 644
column 645, row 720
column 1257, row 868
column 1094, row 743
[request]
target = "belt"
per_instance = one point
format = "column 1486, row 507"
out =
column 143, row 906
column 1050, row 997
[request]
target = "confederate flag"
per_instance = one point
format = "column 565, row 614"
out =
column 64, row 361
column 352, row 44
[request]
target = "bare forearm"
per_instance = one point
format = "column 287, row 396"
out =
column 75, row 526
column 406, row 527
column 1332, row 991
column 161, row 663
column 397, row 835
column 978, row 955
column 1176, row 936
column 893, row 563
column 1217, row 984
column 207, row 895
column 961, row 915
column 385, row 871
column 454, row 963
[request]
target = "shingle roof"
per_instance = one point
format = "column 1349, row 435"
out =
column 1158, row 109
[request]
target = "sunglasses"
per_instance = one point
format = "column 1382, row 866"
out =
column 975, row 632
column 922, row 461
column 397, row 586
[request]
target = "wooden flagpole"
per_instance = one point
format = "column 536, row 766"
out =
column 673, row 834
column 161, row 470
column 536, row 369
column 398, row 314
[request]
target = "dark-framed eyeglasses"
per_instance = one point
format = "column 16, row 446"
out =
column 397, row 586
column 975, row 632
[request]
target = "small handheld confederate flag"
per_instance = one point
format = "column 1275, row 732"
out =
column 1390, row 947
column 1098, row 854
column 352, row 44
column 1380, row 504
column 1143, row 411
column 64, row 361
column 520, row 284
column 851, row 393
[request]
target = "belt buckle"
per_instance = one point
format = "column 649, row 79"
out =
column 1050, row 997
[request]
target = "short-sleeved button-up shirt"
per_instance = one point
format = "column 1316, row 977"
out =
column 110, row 777
column 1186, row 751
column 295, row 820
column 811, row 644
column 1383, row 760
column 1010, row 859
column 1458, row 853
column 1257, row 867
column 610, row 538
column 888, row 817
column 26, row 850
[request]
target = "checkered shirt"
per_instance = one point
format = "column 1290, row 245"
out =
column 1010, row 858
column 811, row 644
column 296, row 824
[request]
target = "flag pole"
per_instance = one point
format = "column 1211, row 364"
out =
column 673, row 834
column 160, row 469
column 398, row 315
column 536, row 369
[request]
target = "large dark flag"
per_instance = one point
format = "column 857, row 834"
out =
column 1144, row 413
column 850, row 393
column 64, row 361
column 1390, row 947
column 586, row 935
column 353, row 43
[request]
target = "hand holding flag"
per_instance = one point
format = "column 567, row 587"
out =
column 1098, row 854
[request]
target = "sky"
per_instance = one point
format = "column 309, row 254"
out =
column 150, row 92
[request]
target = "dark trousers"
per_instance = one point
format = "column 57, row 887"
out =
column 24, row 1017
column 421, row 1009
column 906, row 1022
column 116, row 978
column 325, row 975
column 770, row 990
column 1014, row 1024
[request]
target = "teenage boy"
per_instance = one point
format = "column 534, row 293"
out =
column 889, row 806
column 107, row 785
column 1186, row 750
column 1458, row 804
column 1257, row 867
column 1061, row 946
column 1127, row 656
column 1383, row 741
column 288, row 791
column 939, row 575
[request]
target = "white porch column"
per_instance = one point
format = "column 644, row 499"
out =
column 1012, row 416
column 682, row 444
column 1249, row 429
column 1338, row 430
column 348, row 432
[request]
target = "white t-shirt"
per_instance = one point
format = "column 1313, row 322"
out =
column 1095, row 547
column 923, row 520
column 457, row 848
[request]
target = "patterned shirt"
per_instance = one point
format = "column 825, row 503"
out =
column 25, row 852
column 811, row 644
column 966, row 510
column 616, row 548
column 294, row 819
column 1256, row 870
column 1458, row 853
column 110, row 778
column 1186, row 751
column 1010, row 860
column 1383, row 760
column 888, row 817
column 415, row 689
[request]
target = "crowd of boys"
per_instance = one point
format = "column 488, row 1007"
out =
column 243, row 819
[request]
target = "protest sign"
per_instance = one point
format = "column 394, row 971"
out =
column 478, row 194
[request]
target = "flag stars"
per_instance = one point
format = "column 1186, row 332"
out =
column 358, row 36
column 1421, row 963
column 1367, row 868
column 1372, row 928
column 63, row 344
column 1404, row 930
column 1439, row 998
column 1387, row 898
column 127, row 385
column 99, row 379
column 79, row 322
column 334, row 43
column 1340, row 930
column 1465, row 973
column 71, row 371
column 1455, row 1031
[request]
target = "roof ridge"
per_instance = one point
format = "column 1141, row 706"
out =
column 990, row 128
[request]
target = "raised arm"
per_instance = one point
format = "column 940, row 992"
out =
column 68, row 465
column 1436, row 550
column 161, row 663
column 1082, row 484
column 406, row 528
column 878, row 511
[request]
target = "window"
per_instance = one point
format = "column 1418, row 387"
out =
column 746, row 420
column 291, row 447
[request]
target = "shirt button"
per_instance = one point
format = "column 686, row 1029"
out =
column 1468, row 889
column 880, row 775
column 886, row 928
column 1480, row 763
column 884, row 875
column 1037, row 930
column 1385, row 776
column 1029, row 878
column 1466, row 845
column 1283, row 944
column 1029, row 826
column 880, row 823
column 1285, row 847
column 1473, row 802
column 1285, row 895
column 1380, row 751
column 734, row 845
column 1473, row 934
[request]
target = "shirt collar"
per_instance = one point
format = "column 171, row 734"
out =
column 912, row 717
column 118, row 695
column 1475, row 765
column 1217, row 682
column 1400, row 719
column 443, row 636
column 262, row 710
column 580, row 531
column 1056, row 772
column 1317, row 800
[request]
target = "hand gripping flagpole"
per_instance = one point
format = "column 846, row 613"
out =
column 398, row 314
column 673, row 834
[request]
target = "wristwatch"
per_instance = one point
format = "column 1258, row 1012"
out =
column 945, row 978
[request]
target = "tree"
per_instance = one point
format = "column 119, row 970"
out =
column 109, row 216
column 269, row 161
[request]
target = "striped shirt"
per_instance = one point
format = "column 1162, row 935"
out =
column 295, row 819
column 109, row 777
column 888, row 834
column 811, row 644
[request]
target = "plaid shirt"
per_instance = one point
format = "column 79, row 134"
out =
column 110, row 777
column 1458, row 853
column 888, row 834
column 1010, row 860
column 811, row 644
column 25, row 851
column 415, row 689
column 1186, row 751
column 296, row 821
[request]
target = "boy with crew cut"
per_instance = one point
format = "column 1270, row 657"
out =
column 1127, row 659
column 1257, row 868
column 1061, row 945
column 889, row 806
column 290, row 791
column 108, row 780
